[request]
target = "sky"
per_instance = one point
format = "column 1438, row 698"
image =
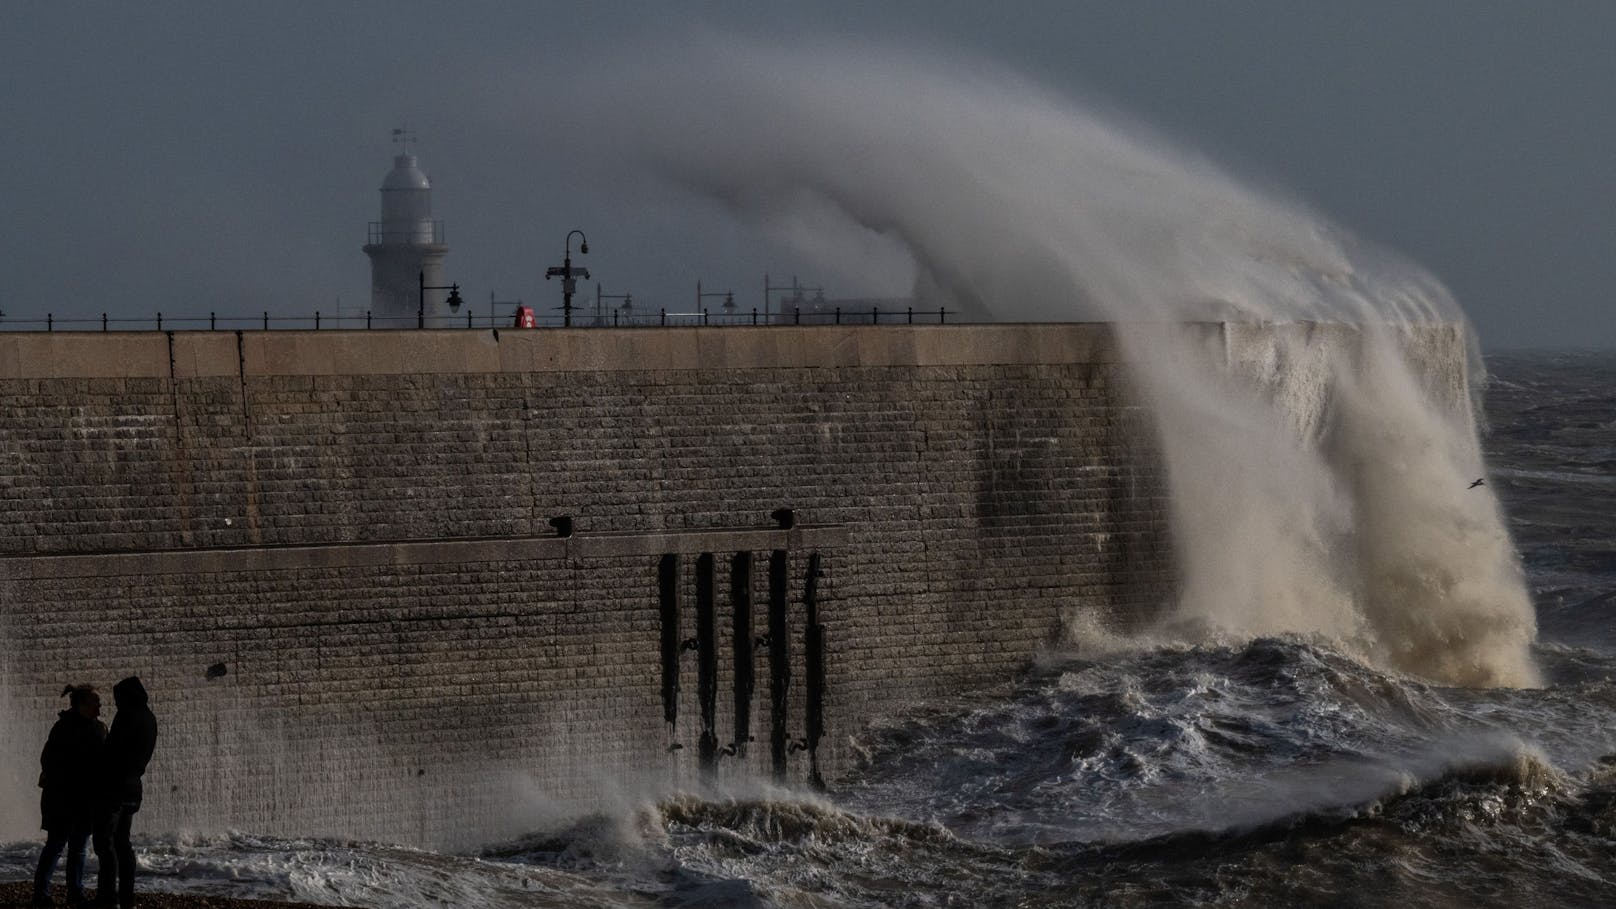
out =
column 188, row 158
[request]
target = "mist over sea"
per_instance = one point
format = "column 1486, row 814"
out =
column 1274, row 770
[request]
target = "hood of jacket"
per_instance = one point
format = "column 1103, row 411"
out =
column 129, row 693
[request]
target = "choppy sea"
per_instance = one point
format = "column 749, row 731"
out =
column 1270, row 772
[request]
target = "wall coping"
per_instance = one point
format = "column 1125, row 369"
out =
column 342, row 352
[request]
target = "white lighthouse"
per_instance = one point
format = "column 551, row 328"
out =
column 406, row 250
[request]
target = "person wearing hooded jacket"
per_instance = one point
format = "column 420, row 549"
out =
column 67, row 807
column 128, row 750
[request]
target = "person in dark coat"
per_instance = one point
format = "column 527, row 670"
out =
column 67, row 807
column 124, row 758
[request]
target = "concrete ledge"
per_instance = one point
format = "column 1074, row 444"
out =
column 94, row 355
column 424, row 552
column 54, row 355
column 206, row 355
column 84, row 355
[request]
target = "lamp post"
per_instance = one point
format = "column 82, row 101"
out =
column 420, row 304
column 568, row 274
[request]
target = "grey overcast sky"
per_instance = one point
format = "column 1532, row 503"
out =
column 226, row 156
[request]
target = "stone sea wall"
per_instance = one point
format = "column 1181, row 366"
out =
column 330, row 555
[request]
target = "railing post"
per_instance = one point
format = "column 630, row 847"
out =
column 838, row 315
column 796, row 315
column 468, row 317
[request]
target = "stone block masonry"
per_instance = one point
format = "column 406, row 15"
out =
column 329, row 553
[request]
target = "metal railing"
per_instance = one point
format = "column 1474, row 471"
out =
column 617, row 318
column 835, row 316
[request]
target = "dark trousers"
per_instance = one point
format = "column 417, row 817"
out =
column 74, row 840
column 116, row 856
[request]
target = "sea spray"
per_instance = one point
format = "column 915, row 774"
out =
column 1321, row 485
column 1438, row 578
column 1334, row 503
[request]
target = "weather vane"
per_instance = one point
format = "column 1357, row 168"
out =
column 402, row 137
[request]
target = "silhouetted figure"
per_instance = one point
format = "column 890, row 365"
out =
column 128, row 749
column 67, row 806
column 1479, row 481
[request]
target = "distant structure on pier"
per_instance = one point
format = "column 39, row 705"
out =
column 406, row 249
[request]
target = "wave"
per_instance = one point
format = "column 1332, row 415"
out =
column 1177, row 738
column 1317, row 474
column 1509, row 782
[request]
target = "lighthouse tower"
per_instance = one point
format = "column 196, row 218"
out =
column 405, row 245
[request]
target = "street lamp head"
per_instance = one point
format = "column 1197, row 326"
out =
column 583, row 244
column 454, row 298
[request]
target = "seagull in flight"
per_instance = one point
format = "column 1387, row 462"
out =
column 1480, row 481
